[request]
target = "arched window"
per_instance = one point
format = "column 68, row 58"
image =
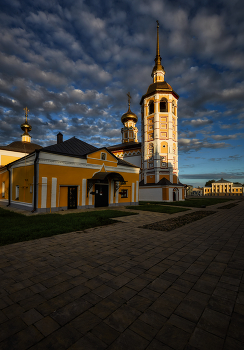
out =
column 173, row 107
column 164, row 105
column 151, row 107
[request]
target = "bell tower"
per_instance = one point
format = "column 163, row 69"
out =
column 129, row 119
column 159, row 128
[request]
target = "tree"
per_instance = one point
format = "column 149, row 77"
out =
column 209, row 183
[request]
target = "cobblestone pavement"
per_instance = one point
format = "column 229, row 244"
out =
column 124, row 287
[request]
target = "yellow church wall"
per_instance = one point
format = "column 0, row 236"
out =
column 95, row 158
column 166, row 177
column 151, row 179
column 8, row 159
column 63, row 195
column 175, row 179
column 4, row 177
column 23, row 177
column 183, row 193
column 71, row 176
column 165, row 193
column 128, row 198
column 164, row 147
column 100, row 162
column 66, row 176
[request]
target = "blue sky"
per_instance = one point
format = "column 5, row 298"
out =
column 73, row 62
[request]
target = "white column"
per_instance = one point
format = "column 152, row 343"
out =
column 44, row 193
column 111, row 192
column 54, row 192
column 78, row 195
column 137, row 191
column 116, row 194
column 83, row 198
column 133, row 192
column 90, row 197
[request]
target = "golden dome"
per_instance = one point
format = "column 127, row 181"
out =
column 25, row 126
column 129, row 116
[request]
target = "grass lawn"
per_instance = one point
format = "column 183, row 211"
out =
column 196, row 203
column 156, row 208
column 16, row 227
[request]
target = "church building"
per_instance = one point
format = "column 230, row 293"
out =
column 157, row 154
column 74, row 174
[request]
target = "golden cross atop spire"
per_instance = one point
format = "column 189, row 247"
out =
column 157, row 49
column 26, row 113
column 129, row 98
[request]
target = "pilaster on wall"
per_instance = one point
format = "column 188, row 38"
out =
column 83, row 193
column 116, row 193
column 111, row 192
column 54, row 192
column 133, row 193
column 137, row 191
column 44, row 193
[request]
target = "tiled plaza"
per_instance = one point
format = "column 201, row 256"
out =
column 124, row 287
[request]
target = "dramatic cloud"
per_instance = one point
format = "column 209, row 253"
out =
column 192, row 145
column 215, row 176
column 197, row 122
column 72, row 64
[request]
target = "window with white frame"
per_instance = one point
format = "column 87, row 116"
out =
column 103, row 156
column 124, row 193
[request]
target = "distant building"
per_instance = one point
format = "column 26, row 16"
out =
column 223, row 188
column 196, row 191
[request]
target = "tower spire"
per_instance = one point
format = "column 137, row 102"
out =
column 157, row 58
column 158, row 66
column 129, row 98
column 26, row 127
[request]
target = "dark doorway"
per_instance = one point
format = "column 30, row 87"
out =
column 72, row 197
column 101, row 195
column 175, row 194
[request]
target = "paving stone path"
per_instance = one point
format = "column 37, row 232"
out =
column 124, row 287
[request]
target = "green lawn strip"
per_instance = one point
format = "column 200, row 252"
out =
column 195, row 203
column 16, row 227
column 157, row 208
